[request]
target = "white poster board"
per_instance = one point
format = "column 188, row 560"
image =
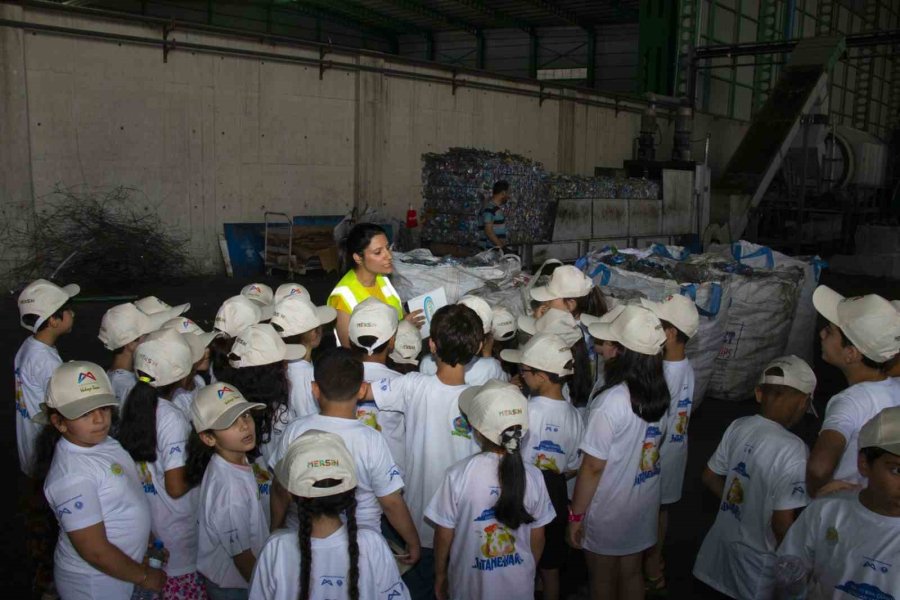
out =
column 428, row 303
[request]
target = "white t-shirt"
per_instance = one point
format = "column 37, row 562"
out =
column 437, row 436
column 183, row 399
column 302, row 402
column 122, row 381
column 851, row 550
column 264, row 479
column 554, row 433
column 34, row 364
column 765, row 469
column 622, row 517
column 389, row 423
column 377, row 474
column 674, row 450
column 86, row 486
column 487, row 559
column 174, row 519
column 231, row 521
column 479, row 370
column 849, row 410
column 277, row 572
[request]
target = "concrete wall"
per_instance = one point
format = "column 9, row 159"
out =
column 208, row 139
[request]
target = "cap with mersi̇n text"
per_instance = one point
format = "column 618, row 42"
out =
column 163, row 357
column 263, row 296
column 150, row 305
column 43, row 298
column 481, row 308
column 261, row 345
column 678, row 310
column 372, row 318
column 493, row 408
column 125, row 323
column 544, row 352
column 314, row 457
column 75, row 389
column 882, row 431
column 870, row 322
column 503, row 324
column 555, row 321
column 566, row 281
column 407, row 344
column 237, row 314
column 295, row 315
column 635, row 327
column 286, row 290
column 217, row 406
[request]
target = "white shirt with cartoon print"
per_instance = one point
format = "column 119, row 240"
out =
column 673, row 453
column 555, row 429
column 34, row 364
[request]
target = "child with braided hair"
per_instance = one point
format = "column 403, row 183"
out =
column 490, row 511
column 337, row 559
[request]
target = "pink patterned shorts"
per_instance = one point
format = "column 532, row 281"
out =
column 185, row 587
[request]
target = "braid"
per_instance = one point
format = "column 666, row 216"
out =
column 305, row 534
column 352, row 546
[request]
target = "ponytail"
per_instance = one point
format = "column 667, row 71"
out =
column 198, row 457
column 581, row 382
column 332, row 506
column 510, row 507
column 137, row 429
column 219, row 349
column 269, row 385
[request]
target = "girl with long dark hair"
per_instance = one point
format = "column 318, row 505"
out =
column 234, row 316
column 94, row 488
column 155, row 432
column 335, row 558
column 614, row 510
column 491, row 509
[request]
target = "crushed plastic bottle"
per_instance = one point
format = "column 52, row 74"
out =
column 791, row 578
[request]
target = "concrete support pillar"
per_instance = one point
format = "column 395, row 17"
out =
column 371, row 140
column 566, row 137
column 16, row 193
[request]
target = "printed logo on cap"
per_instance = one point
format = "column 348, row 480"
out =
column 86, row 375
column 222, row 391
column 255, row 288
column 295, row 292
column 323, row 462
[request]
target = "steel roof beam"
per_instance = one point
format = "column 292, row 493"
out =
column 362, row 15
column 435, row 15
column 498, row 15
column 569, row 16
column 317, row 10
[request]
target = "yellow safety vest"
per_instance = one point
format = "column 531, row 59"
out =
column 352, row 292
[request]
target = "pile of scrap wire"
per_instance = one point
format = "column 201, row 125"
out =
column 103, row 241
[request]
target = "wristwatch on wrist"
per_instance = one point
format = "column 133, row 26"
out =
column 573, row 518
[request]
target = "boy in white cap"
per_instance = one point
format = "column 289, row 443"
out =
column 333, row 556
column 861, row 337
column 758, row 473
column 407, row 348
column 372, row 332
column 555, row 429
column 483, row 367
column 234, row 316
column 121, row 330
column 297, row 321
column 199, row 342
column 261, row 295
column 291, row 289
column 338, row 386
column 44, row 310
column 680, row 321
column 849, row 542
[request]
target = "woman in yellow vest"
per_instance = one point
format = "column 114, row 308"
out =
column 367, row 252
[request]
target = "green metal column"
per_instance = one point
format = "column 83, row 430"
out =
column 657, row 47
column 862, row 98
column 688, row 11
column 766, row 31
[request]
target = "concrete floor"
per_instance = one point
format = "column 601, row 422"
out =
column 689, row 520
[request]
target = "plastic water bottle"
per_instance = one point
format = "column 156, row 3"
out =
column 156, row 557
column 791, row 578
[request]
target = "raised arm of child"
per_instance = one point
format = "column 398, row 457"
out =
column 443, row 538
column 95, row 548
column 714, row 482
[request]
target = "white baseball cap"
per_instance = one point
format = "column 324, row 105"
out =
column 407, row 344
column 566, row 281
column 43, row 298
column 151, row 305
column 545, row 352
column 870, row 322
column 678, row 310
column 183, row 325
column 196, row 338
column 261, row 345
column 75, row 389
column 291, row 289
column 373, row 318
column 237, row 314
column 313, row 457
column 481, row 308
column 263, row 296
column 882, row 431
column 555, row 321
column 124, row 323
column 797, row 374
column 896, row 305
column 503, row 324
column 634, row 327
column 493, row 408
column 294, row 315
column 163, row 357
column 217, row 406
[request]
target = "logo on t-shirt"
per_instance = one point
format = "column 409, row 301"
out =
column 367, row 416
column 831, row 536
column 863, row 590
column 116, row 469
column 741, row 469
column 546, row 463
column 498, row 549
column 146, row 479
column 263, row 479
column 20, row 398
column 461, row 428
column 681, row 423
column 394, row 471
column 734, row 498
column 869, row 563
column 331, row 581
column 649, row 464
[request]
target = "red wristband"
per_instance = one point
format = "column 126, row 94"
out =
column 573, row 518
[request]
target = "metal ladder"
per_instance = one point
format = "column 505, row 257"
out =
column 862, row 98
column 687, row 28
column 767, row 31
